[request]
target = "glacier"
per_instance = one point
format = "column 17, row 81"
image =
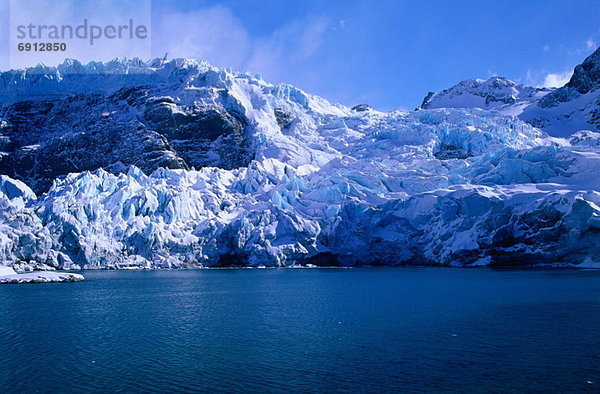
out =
column 179, row 164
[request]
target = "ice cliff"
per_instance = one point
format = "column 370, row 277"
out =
column 181, row 164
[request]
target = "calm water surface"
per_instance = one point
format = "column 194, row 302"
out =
column 304, row 330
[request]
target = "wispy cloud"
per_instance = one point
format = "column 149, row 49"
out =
column 545, row 79
column 555, row 80
column 217, row 35
column 287, row 47
column 213, row 33
column 591, row 44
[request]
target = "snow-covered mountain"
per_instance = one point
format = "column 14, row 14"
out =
column 558, row 111
column 496, row 93
column 181, row 164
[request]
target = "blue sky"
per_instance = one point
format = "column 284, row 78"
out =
column 385, row 53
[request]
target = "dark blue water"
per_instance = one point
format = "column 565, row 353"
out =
column 304, row 330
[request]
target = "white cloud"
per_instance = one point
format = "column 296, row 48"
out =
column 213, row 33
column 555, row 80
column 287, row 47
column 218, row 36
column 591, row 44
column 546, row 48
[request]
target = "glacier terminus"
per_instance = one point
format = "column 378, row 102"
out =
column 179, row 164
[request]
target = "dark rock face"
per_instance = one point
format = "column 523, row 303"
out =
column 561, row 95
column 586, row 77
column 362, row 108
column 43, row 140
column 595, row 115
column 284, row 120
column 449, row 151
column 195, row 133
column 426, row 101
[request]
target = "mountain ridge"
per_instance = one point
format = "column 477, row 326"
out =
column 558, row 111
column 201, row 167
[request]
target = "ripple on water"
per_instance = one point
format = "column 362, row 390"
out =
column 304, row 330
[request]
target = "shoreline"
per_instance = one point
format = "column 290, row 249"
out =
column 10, row 276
